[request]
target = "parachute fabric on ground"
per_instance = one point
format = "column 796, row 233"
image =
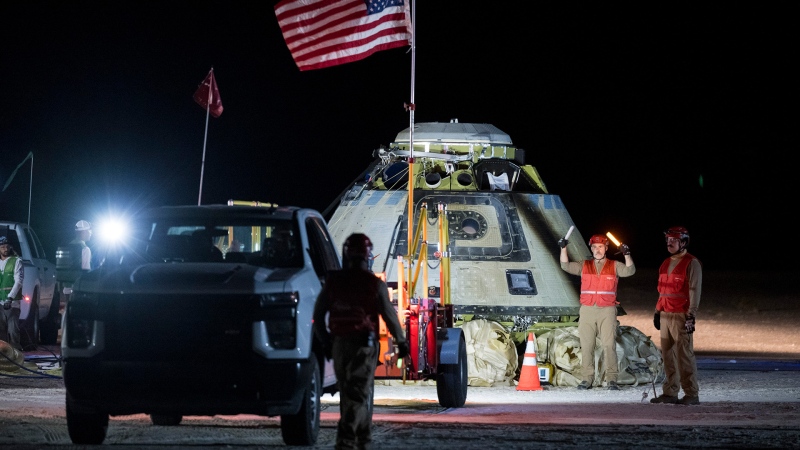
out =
column 560, row 347
column 11, row 359
column 562, row 378
column 638, row 357
column 641, row 361
column 491, row 353
column 563, row 349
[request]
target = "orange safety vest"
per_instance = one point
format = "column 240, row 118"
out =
column 599, row 288
column 673, row 288
column 353, row 302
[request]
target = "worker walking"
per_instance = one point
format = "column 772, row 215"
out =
column 353, row 298
column 598, row 313
column 11, row 277
column 680, row 279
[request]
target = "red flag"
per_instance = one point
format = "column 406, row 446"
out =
column 207, row 95
column 325, row 33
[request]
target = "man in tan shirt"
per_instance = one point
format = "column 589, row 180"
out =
column 598, row 313
column 680, row 278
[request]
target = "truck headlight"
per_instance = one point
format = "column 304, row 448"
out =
column 81, row 316
column 279, row 313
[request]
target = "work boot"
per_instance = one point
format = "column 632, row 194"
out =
column 584, row 385
column 613, row 386
column 664, row 399
column 689, row 400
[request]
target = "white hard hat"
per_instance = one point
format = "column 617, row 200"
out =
column 83, row 225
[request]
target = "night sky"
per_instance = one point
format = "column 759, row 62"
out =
column 639, row 116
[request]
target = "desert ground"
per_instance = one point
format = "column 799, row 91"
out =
column 742, row 314
column 747, row 342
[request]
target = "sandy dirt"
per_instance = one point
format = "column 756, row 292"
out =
column 741, row 313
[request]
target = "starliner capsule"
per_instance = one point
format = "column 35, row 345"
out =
column 483, row 226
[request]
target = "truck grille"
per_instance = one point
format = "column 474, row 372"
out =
column 190, row 328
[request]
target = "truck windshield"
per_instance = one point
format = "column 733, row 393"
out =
column 274, row 244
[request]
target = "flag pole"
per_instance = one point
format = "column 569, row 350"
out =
column 411, row 144
column 205, row 139
column 30, row 189
column 203, row 162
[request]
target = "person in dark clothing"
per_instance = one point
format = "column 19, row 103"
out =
column 352, row 298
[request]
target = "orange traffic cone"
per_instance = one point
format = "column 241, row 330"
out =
column 529, row 376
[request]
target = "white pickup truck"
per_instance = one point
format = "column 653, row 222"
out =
column 206, row 310
column 39, row 315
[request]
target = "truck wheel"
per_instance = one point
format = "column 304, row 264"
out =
column 50, row 325
column 86, row 428
column 29, row 329
column 452, row 380
column 166, row 420
column 303, row 428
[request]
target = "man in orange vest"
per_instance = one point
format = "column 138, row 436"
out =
column 598, row 313
column 680, row 279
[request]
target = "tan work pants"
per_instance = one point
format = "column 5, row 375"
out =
column 354, row 364
column 677, row 349
column 598, row 322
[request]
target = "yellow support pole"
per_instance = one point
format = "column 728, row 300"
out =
column 420, row 226
column 410, row 188
column 402, row 292
column 401, row 301
column 420, row 262
column 251, row 203
column 423, row 255
column 445, row 264
column 410, row 202
column 440, row 253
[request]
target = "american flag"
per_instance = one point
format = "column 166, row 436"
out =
column 325, row 33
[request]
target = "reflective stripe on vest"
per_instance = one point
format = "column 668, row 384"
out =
column 599, row 289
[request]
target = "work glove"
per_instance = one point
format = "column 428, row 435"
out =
column 689, row 324
column 657, row 320
column 562, row 242
column 624, row 249
column 7, row 304
column 403, row 350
